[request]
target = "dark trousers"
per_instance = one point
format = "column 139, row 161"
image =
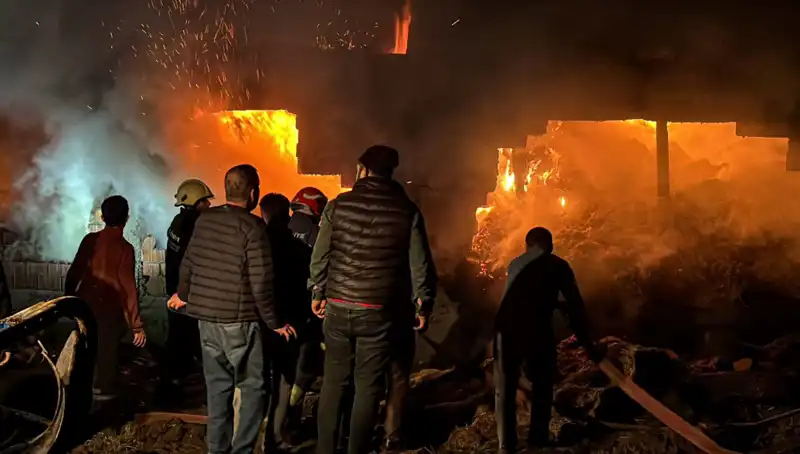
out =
column 539, row 360
column 310, row 356
column 233, row 357
column 401, row 363
column 283, row 356
column 111, row 328
column 295, row 363
column 182, row 347
column 357, row 345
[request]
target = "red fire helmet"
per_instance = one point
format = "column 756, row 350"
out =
column 311, row 198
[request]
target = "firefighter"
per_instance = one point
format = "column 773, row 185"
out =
column 524, row 336
column 307, row 206
column 183, row 341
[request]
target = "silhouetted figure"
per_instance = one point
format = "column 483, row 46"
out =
column 525, row 336
column 291, row 257
column 102, row 274
column 371, row 259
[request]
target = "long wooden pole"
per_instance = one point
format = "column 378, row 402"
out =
column 660, row 411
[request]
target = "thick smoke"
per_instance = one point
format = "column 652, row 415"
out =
column 91, row 155
column 95, row 142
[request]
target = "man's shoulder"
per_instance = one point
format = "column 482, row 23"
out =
column 225, row 214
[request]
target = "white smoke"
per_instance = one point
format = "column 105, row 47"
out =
column 98, row 146
column 92, row 154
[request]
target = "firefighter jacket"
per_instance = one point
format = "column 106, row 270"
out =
column 304, row 227
column 178, row 236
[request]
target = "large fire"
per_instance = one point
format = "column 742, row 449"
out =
column 585, row 173
column 267, row 139
column 522, row 175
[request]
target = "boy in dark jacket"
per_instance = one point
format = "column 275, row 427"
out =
column 102, row 274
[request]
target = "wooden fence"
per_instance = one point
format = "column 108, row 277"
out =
column 30, row 275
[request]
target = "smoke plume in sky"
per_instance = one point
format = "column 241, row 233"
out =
column 96, row 143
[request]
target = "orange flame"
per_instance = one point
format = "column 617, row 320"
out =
column 257, row 131
column 402, row 27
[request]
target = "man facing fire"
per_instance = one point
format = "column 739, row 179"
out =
column 291, row 257
column 525, row 336
column 370, row 258
column 226, row 282
column 102, row 274
column 183, row 338
column 307, row 206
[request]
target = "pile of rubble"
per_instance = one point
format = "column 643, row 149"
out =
column 747, row 403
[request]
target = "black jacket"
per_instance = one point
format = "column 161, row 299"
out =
column 290, row 258
column 305, row 228
column 178, row 236
column 226, row 275
column 372, row 248
column 526, row 310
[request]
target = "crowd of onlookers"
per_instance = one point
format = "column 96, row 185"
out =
column 270, row 303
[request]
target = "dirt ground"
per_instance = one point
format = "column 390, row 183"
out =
column 746, row 405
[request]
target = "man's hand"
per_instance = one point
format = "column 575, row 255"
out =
column 5, row 357
column 287, row 332
column 318, row 308
column 139, row 338
column 175, row 303
column 422, row 318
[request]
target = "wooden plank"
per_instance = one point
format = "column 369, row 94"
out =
column 660, row 411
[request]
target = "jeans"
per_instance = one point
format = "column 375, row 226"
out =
column 539, row 360
column 357, row 342
column 233, row 357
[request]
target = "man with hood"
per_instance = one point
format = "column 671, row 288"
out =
column 183, row 339
column 525, row 337
column 370, row 259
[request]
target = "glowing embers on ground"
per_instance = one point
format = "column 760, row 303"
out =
column 259, row 132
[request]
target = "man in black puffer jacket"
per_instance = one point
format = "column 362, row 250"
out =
column 226, row 282
column 370, row 261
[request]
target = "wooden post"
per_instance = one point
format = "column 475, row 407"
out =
column 662, row 159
